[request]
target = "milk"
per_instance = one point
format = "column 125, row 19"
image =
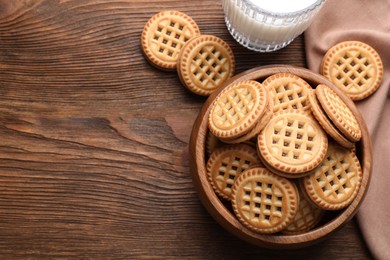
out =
column 268, row 25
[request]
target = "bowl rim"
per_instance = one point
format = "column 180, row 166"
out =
column 215, row 206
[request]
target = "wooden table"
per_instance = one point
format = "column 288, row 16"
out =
column 94, row 140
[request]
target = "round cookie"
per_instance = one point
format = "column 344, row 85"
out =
column 226, row 163
column 354, row 67
column 237, row 109
column 263, row 201
column 164, row 36
column 292, row 142
column 326, row 124
column 334, row 184
column 262, row 122
column 288, row 91
column 338, row 112
column 205, row 63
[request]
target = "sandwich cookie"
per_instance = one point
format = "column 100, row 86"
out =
column 326, row 123
column 338, row 112
column 237, row 109
column 205, row 63
column 288, row 91
column 335, row 182
column 354, row 67
column 292, row 143
column 164, row 36
column 264, row 202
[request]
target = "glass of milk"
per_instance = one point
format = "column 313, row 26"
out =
column 268, row 25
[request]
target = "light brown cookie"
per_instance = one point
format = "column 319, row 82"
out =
column 263, row 201
column 262, row 122
column 226, row 163
column 288, row 91
column 326, row 123
column 205, row 63
column 307, row 217
column 354, row 67
column 237, row 109
column 164, row 35
column 338, row 112
column 335, row 182
column 292, row 142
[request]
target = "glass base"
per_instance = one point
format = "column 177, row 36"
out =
column 254, row 45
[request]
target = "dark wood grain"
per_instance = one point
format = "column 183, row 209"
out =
column 94, row 140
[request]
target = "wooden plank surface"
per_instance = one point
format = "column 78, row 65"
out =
column 94, row 140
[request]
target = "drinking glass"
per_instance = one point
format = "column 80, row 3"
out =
column 262, row 30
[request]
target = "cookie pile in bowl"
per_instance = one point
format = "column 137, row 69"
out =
column 280, row 157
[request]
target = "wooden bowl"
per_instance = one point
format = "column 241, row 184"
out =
column 226, row 217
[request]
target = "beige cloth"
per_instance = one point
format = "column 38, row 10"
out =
column 367, row 21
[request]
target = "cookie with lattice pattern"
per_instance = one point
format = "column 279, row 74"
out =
column 252, row 134
column 307, row 217
column 228, row 162
column 164, row 36
column 334, row 184
column 326, row 123
column 292, row 142
column 263, row 201
column 355, row 67
column 205, row 63
column 237, row 109
column 288, row 91
column 338, row 112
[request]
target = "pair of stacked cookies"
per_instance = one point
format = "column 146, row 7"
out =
column 291, row 170
column 240, row 112
column 171, row 40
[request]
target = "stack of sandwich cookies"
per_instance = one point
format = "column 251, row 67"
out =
column 338, row 112
column 292, row 145
column 262, row 122
column 326, row 123
column 238, row 109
